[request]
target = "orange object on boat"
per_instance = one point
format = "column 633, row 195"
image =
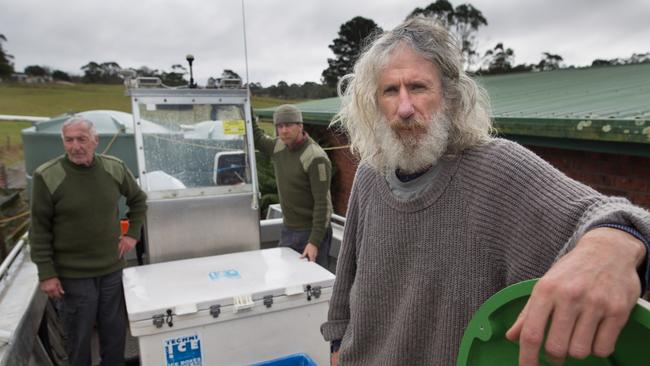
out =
column 124, row 226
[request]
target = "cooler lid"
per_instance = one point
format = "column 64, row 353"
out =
column 201, row 282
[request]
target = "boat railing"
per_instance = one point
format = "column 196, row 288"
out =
column 11, row 257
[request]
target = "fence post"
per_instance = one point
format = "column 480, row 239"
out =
column 3, row 176
column 3, row 245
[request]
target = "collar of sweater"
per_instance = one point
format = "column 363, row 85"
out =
column 78, row 167
column 407, row 177
column 300, row 142
column 446, row 167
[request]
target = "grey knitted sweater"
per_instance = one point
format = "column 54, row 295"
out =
column 412, row 273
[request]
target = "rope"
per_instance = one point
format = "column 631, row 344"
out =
column 110, row 143
column 336, row 147
column 9, row 219
column 19, row 228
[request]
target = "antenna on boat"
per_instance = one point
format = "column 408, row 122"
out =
column 243, row 15
column 249, row 117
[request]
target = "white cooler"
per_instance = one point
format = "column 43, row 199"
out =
column 232, row 309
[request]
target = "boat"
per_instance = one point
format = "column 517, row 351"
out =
column 192, row 151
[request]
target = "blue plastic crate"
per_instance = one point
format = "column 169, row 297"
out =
column 297, row 359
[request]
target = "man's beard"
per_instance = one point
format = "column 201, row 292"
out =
column 412, row 145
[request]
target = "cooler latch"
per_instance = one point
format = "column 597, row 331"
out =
column 169, row 319
column 268, row 301
column 312, row 291
column 215, row 310
column 160, row 319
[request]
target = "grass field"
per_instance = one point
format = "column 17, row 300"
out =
column 50, row 100
column 265, row 102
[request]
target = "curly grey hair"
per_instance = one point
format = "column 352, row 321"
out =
column 466, row 103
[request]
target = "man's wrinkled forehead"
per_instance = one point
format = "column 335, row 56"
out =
column 392, row 52
column 81, row 129
column 83, row 126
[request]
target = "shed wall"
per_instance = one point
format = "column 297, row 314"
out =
column 611, row 174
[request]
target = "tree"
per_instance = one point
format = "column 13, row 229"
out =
column 35, row 70
column 283, row 89
column 111, row 72
column 636, row 58
column 549, row 62
column 442, row 11
column 463, row 22
column 229, row 74
column 312, row 90
column 599, row 62
column 308, row 90
column 347, row 47
column 523, row 68
column 255, row 87
column 106, row 72
column 639, row 58
column 467, row 20
column 146, row 71
column 499, row 60
column 60, row 75
column 176, row 77
column 92, row 72
column 6, row 66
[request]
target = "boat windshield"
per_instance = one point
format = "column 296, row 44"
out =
column 196, row 146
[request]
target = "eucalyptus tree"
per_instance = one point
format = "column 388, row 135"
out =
column 6, row 66
column 352, row 37
column 463, row 22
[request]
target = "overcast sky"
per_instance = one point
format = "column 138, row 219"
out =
column 288, row 40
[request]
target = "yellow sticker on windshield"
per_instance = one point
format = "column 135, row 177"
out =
column 234, row 127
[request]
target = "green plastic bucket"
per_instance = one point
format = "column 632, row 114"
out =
column 484, row 341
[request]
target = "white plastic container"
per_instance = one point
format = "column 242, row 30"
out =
column 232, row 309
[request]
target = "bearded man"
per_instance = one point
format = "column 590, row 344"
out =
column 442, row 216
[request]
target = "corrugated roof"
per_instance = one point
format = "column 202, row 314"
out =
column 615, row 93
column 318, row 111
column 603, row 105
column 600, row 109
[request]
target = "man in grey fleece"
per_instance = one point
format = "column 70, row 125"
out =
column 442, row 216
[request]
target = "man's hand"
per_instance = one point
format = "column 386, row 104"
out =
column 52, row 287
column 126, row 243
column 587, row 297
column 311, row 252
column 334, row 358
